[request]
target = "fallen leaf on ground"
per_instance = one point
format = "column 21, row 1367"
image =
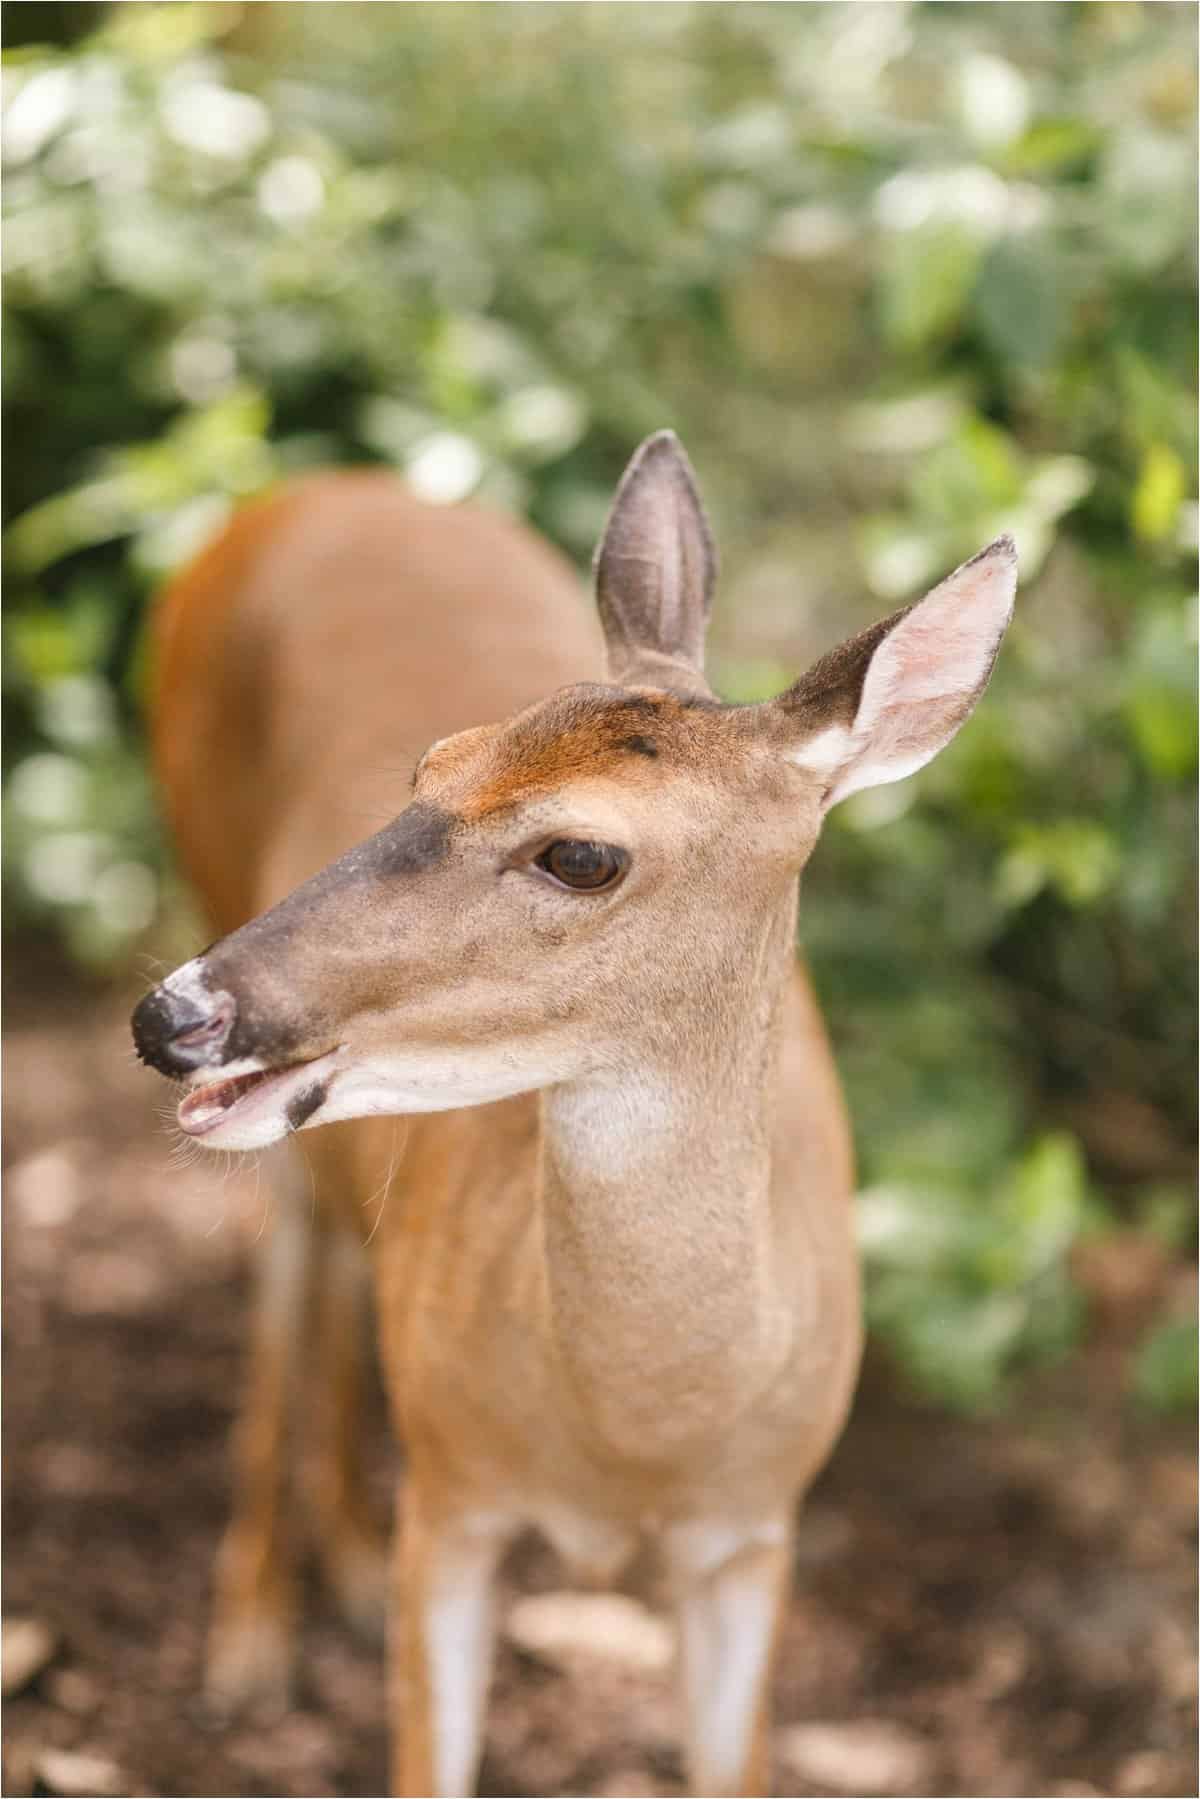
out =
column 26, row 1647
column 871, row 1755
column 562, row 1627
column 75, row 1775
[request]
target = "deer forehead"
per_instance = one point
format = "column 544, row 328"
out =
column 630, row 741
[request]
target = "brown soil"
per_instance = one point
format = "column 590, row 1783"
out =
column 1015, row 1595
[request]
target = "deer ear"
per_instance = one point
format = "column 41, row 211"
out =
column 885, row 702
column 655, row 569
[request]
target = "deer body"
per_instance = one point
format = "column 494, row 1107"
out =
column 552, row 1022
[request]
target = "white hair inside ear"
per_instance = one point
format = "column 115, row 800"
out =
column 920, row 681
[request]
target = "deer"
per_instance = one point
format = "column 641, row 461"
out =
column 551, row 1017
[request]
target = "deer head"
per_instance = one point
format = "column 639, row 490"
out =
column 560, row 880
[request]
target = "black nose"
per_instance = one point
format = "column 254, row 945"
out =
column 176, row 1034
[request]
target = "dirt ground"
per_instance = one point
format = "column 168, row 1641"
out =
column 997, row 1607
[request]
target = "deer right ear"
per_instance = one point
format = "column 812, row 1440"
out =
column 655, row 570
column 885, row 702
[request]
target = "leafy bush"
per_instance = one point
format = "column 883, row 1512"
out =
column 902, row 276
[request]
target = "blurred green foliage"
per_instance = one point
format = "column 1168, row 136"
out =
column 1166, row 1375
column 901, row 275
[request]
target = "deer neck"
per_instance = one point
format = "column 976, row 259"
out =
column 659, row 1234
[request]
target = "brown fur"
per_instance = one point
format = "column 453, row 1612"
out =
column 584, row 735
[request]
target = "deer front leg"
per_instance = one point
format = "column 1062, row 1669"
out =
column 350, row 1546
column 730, row 1588
column 250, row 1647
column 443, row 1630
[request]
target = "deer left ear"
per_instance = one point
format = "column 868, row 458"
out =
column 885, row 702
column 655, row 570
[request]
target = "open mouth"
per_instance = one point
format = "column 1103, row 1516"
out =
column 290, row 1095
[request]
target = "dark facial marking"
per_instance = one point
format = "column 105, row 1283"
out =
column 417, row 839
column 414, row 841
column 641, row 746
column 309, row 1100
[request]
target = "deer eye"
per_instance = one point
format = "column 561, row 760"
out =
column 587, row 867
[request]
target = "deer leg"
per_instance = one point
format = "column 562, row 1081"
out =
column 250, row 1647
column 441, row 1649
column 350, row 1545
column 729, row 1603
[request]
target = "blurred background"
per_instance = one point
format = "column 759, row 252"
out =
column 902, row 276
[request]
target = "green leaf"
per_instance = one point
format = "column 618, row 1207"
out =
column 1158, row 494
column 1046, row 1198
column 1076, row 857
column 1165, row 1374
column 925, row 280
column 1020, row 300
column 1053, row 146
column 1163, row 726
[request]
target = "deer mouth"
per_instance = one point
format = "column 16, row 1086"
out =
column 264, row 1102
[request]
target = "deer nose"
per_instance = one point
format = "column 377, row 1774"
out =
column 176, row 1032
